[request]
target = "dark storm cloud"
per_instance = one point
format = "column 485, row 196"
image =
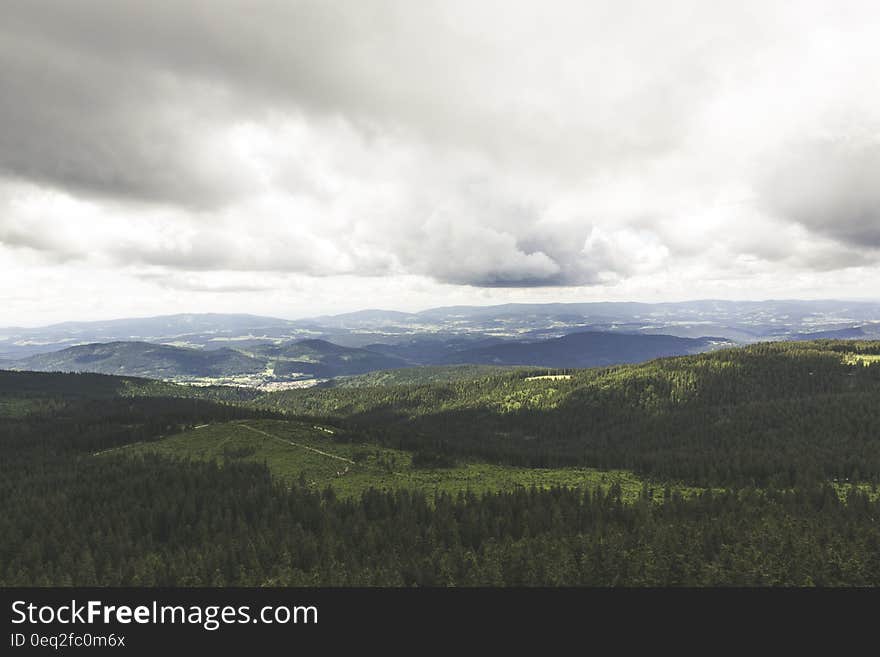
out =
column 830, row 186
column 125, row 99
column 114, row 97
column 118, row 98
column 88, row 124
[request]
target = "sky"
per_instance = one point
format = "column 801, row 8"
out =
column 299, row 158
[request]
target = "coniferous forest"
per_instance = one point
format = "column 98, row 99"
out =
column 778, row 445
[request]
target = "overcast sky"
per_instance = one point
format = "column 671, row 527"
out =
column 297, row 158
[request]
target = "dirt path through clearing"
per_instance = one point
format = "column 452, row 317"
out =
column 311, row 449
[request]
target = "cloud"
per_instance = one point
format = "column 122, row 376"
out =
column 829, row 186
column 85, row 123
column 201, row 282
column 482, row 145
column 141, row 101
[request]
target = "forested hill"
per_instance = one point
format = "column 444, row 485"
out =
column 588, row 349
column 143, row 359
column 322, row 359
column 314, row 358
column 34, row 387
column 772, row 412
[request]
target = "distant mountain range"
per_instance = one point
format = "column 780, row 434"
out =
column 592, row 349
column 212, row 331
column 740, row 321
column 318, row 359
column 252, row 348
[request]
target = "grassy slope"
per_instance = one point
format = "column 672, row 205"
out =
column 376, row 467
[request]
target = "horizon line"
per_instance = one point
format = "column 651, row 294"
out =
column 861, row 300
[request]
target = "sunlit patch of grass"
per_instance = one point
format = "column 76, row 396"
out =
column 374, row 466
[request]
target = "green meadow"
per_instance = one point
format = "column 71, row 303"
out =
column 295, row 451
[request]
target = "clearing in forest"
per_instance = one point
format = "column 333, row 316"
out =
column 296, row 451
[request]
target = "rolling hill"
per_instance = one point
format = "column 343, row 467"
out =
column 143, row 359
column 322, row 359
column 419, row 375
column 298, row 359
column 771, row 412
column 590, row 349
column 319, row 359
